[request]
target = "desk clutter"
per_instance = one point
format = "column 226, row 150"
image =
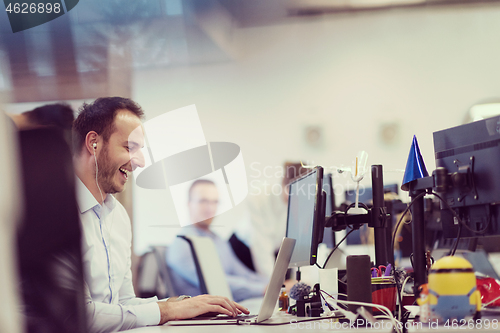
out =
column 454, row 295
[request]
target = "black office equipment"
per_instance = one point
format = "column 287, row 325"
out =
column 467, row 178
column 305, row 221
column 329, row 234
column 359, row 281
column 471, row 155
column 376, row 217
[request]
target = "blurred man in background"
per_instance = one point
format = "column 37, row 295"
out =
column 203, row 200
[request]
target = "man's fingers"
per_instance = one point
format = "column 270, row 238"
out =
column 231, row 305
column 220, row 309
column 241, row 308
column 226, row 304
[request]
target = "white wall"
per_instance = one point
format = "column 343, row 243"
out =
column 419, row 68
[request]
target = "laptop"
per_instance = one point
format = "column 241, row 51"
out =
column 268, row 304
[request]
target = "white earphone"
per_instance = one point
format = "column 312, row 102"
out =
column 97, row 172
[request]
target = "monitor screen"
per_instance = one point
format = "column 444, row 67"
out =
column 304, row 220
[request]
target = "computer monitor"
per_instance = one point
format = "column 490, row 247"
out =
column 470, row 154
column 329, row 234
column 305, row 221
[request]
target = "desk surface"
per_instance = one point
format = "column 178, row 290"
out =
column 320, row 326
column 316, row 326
column 324, row 325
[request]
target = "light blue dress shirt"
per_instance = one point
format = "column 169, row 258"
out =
column 106, row 249
column 243, row 282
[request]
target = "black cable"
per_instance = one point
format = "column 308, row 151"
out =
column 316, row 263
column 462, row 223
column 456, row 241
column 339, row 305
column 324, row 299
column 401, row 219
column 360, row 204
column 399, row 290
column 336, row 246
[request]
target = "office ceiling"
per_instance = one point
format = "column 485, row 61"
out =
column 93, row 50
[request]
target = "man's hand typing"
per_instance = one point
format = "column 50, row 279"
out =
column 195, row 306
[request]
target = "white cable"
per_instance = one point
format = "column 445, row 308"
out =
column 493, row 301
column 401, row 298
column 396, row 323
column 96, row 173
column 107, row 244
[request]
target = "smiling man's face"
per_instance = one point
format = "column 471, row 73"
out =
column 121, row 154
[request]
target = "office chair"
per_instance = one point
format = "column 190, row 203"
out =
column 208, row 266
column 153, row 277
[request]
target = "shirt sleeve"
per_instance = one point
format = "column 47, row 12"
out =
column 104, row 317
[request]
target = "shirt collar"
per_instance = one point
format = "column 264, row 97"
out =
column 87, row 201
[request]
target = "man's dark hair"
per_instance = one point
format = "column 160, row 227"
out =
column 99, row 116
column 59, row 115
column 198, row 182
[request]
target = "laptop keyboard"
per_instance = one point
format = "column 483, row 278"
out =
column 222, row 317
column 238, row 317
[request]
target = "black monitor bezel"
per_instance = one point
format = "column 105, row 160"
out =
column 328, row 178
column 317, row 219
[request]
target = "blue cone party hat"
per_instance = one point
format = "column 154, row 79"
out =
column 415, row 166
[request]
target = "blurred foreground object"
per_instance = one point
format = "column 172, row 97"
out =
column 49, row 239
column 9, row 217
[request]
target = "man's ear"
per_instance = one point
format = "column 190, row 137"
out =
column 92, row 142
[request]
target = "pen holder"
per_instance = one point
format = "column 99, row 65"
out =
column 384, row 293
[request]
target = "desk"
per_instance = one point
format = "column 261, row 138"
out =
column 324, row 325
column 320, row 327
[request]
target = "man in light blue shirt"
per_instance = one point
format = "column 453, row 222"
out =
column 108, row 137
column 202, row 204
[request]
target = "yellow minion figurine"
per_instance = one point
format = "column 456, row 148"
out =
column 452, row 289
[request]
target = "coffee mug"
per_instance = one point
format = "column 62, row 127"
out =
column 384, row 293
